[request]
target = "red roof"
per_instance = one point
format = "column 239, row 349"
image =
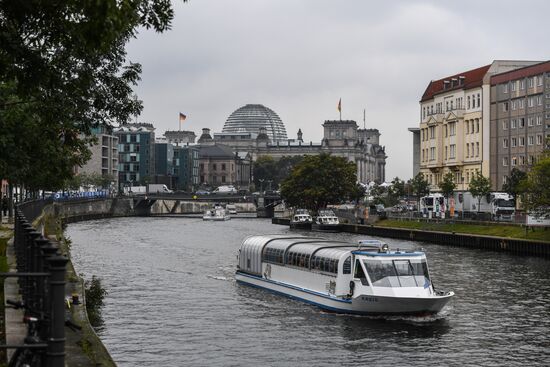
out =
column 521, row 73
column 472, row 78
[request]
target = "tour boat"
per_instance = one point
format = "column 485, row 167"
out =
column 365, row 278
column 217, row 213
column 301, row 220
column 327, row 221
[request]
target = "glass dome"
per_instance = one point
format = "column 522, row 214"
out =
column 251, row 118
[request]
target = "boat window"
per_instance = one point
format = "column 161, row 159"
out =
column 347, row 266
column 405, row 273
column 398, row 273
column 359, row 273
column 382, row 273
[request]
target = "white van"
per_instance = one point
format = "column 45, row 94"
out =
column 231, row 208
column 226, row 189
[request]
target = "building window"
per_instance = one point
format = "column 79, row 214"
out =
column 522, row 84
column 505, row 88
column 468, row 102
column 432, row 153
column 477, row 125
column 467, row 125
column 505, row 143
column 539, row 99
column 514, row 142
column 432, row 132
column 223, row 168
column 539, row 120
column 522, row 160
column 514, row 123
column 477, row 149
column 513, row 86
column 521, row 122
column 539, row 80
column 539, row 139
column 452, row 151
column 514, row 161
column 472, row 127
column 467, row 150
column 505, row 161
column 505, row 107
column 214, row 168
column 446, row 152
column 531, row 102
column 514, row 104
column 521, row 103
column 479, row 100
column 531, row 140
column 531, row 82
column 505, row 125
column 452, row 128
column 504, row 180
column 531, row 159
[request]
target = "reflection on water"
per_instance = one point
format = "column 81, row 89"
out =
column 173, row 301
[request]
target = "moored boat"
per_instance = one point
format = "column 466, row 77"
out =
column 301, row 220
column 326, row 221
column 218, row 213
column 364, row 278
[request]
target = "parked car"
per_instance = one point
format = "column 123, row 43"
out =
column 202, row 192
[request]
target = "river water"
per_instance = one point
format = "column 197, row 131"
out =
column 173, row 301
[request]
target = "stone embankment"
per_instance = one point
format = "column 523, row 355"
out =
column 502, row 244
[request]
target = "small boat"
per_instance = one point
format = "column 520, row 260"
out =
column 217, row 214
column 301, row 220
column 327, row 221
column 365, row 278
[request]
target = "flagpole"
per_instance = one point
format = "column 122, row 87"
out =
column 364, row 118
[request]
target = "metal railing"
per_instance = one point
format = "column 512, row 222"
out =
column 41, row 277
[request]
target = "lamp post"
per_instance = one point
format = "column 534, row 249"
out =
column 261, row 185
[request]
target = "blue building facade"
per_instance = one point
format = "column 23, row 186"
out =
column 136, row 154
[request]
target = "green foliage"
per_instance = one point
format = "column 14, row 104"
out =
column 479, row 187
column 95, row 294
column 513, row 185
column 537, row 187
column 266, row 168
column 420, row 186
column 447, row 185
column 319, row 180
column 63, row 71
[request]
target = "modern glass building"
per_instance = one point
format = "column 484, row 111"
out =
column 136, row 153
column 251, row 118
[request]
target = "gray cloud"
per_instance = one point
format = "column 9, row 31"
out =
column 300, row 57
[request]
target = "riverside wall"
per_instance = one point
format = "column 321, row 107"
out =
column 501, row 244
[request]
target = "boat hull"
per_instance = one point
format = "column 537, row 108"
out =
column 216, row 219
column 300, row 225
column 359, row 304
column 327, row 227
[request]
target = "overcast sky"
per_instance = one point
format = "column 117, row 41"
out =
column 300, row 57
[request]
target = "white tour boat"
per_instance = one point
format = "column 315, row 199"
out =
column 301, row 219
column 327, row 221
column 365, row 278
column 217, row 213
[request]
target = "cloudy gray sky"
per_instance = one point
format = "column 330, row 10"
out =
column 300, row 57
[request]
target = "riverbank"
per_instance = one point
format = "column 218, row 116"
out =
column 497, row 230
column 450, row 238
column 82, row 346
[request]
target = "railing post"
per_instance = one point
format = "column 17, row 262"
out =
column 29, row 291
column 55, row 355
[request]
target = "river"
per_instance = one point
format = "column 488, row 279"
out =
column 173, row 301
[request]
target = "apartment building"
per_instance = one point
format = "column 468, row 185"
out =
column 520, row 119
column 454, row 124
column 104, row 158
column 136, row 153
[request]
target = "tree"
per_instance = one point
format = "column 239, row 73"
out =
column 267, row 168
column 536, row 187
column 513, row 185
column 319, row 180
column 63, row 71
column 420, row 186
column 447, row 185
column 479, row 186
